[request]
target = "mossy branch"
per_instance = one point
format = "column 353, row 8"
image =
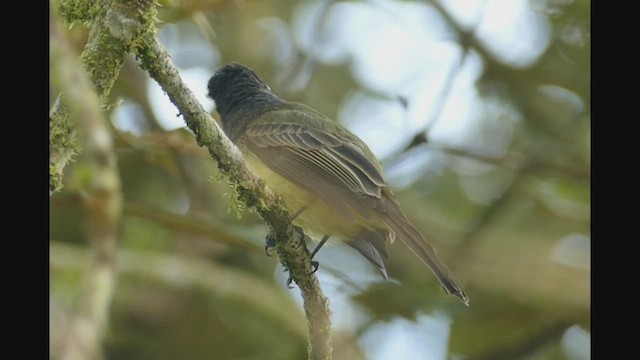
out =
column 251, row 191
column 119, row 27
column 77, row 121
column 116, row 28
column 102, row 197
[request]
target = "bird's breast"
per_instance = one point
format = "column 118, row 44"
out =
column 317, row 218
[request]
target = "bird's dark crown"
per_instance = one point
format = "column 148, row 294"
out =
column 240, row 97
column 236, row 86
column 232, row 77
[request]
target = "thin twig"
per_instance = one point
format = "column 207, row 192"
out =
column 191, row 225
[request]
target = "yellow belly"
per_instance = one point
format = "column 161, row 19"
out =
column 318, row 217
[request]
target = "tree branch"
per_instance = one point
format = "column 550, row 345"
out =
column 191, row 225
column 116, row 28
column 102, row 200
column 122, row 26
column 251, row 190
column 222, row 280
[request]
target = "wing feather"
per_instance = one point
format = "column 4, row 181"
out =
column 331, row 166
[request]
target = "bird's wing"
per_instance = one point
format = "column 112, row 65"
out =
column 309, row 154
column 338, row 169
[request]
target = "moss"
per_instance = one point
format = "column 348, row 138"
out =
column 61, row 133
column 82, row 11
column 62, row 146
column 117, row 28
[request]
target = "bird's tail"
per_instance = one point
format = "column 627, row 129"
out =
column 411, row 237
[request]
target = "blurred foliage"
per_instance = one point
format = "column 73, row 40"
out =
column 514, row 228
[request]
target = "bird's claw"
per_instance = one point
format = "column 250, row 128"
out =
column 314, row 265
column 267, row 250
column 289, row 281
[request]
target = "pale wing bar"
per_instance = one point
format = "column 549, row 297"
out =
column 336, row 156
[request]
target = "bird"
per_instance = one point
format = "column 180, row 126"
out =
column 320, row 169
